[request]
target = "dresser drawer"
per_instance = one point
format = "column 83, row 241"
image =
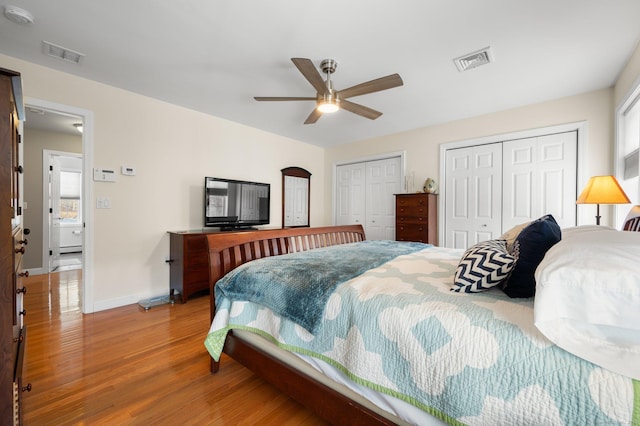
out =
column 411, row 214
column 412, row 200
column 412, row 232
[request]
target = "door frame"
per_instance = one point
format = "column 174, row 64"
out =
column 87, row 291
column 580, row 127
column 336, row 164
column 47, row 154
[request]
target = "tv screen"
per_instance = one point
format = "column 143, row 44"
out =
column 232, row 204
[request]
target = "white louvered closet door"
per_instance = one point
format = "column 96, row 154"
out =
column 473, row 204
column 539, row 177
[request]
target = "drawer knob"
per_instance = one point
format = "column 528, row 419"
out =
column 21, row 250
column 26, row 388
column 22, row 290
column 23, row 242
column 19, row 169
column 23, row 312
column 24, row 274
column 20, row 338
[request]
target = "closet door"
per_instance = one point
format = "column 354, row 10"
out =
column 350, row 194
column 473, row 205
column 383, row 180
column 540, row 178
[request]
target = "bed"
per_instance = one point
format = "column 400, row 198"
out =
column 481, row 355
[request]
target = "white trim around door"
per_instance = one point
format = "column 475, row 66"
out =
column 87, row 299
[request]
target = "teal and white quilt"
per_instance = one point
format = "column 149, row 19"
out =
column 472, row 359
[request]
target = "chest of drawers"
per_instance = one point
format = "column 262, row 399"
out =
column 416, row 218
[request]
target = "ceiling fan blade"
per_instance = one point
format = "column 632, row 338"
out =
column 362, row 110
column 313, row 117
column 382, row 83
column 283, row 98
column 310, row 72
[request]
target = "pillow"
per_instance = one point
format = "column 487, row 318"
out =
column 587, row 298
column 529, row 248
column 483, row 265
column 511, row 235
column 632, row 221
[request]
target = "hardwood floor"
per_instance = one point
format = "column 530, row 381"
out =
column 130, row 366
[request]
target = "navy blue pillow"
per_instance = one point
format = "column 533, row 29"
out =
column 529, row 248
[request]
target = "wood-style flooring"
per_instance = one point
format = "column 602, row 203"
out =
column 130, row 366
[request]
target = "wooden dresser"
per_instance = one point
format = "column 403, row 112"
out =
column 417, row 218
column 189, row 263
column 13, row 336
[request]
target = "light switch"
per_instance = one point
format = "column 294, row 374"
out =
column 103, row 203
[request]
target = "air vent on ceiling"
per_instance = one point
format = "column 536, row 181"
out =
column 474, row 59
column 60, row 52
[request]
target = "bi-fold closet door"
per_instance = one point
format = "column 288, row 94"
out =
column 493, row 187
column 365, row 195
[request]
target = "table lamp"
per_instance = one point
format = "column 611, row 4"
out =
column 602, row 190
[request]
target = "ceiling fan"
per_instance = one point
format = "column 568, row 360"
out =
column 330, row 100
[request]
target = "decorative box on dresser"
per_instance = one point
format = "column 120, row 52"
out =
column 417, row 218
column 12, row 247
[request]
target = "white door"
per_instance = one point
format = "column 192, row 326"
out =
column 383, row 180
column 473, row 204
column 350, row 194
column 540, row 178
column 54, row 212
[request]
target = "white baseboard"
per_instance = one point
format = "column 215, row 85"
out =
column 103, row 305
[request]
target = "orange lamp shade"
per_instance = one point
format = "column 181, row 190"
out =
column 603, row 190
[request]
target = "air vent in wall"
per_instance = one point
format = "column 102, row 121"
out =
column 60, row 52
column 474, row 59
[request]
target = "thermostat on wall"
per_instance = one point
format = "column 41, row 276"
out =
column 104, row 175
column 128, row 170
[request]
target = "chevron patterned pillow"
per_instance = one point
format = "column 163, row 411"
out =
column 483, row 265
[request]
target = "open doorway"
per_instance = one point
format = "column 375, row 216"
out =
column 62, row 190
column 58, row 148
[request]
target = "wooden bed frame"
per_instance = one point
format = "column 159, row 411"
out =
column 229, row 250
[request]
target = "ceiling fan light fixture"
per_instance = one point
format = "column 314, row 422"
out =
column 328, row 106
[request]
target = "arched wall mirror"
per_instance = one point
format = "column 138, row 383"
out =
column 296, row 193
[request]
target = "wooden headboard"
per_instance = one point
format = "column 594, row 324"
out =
column 228, row 250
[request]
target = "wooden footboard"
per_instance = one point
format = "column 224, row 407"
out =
column 230, row 250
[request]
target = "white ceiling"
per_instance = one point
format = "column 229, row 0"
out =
column 214, row 56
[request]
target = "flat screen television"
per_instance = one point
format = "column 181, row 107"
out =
column 235, row 204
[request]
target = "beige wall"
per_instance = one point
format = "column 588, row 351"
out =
column 629, row 78
column 35, row 141
column 173, row 148
column 422, row 145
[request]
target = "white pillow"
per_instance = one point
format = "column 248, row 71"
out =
column 588, row 297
